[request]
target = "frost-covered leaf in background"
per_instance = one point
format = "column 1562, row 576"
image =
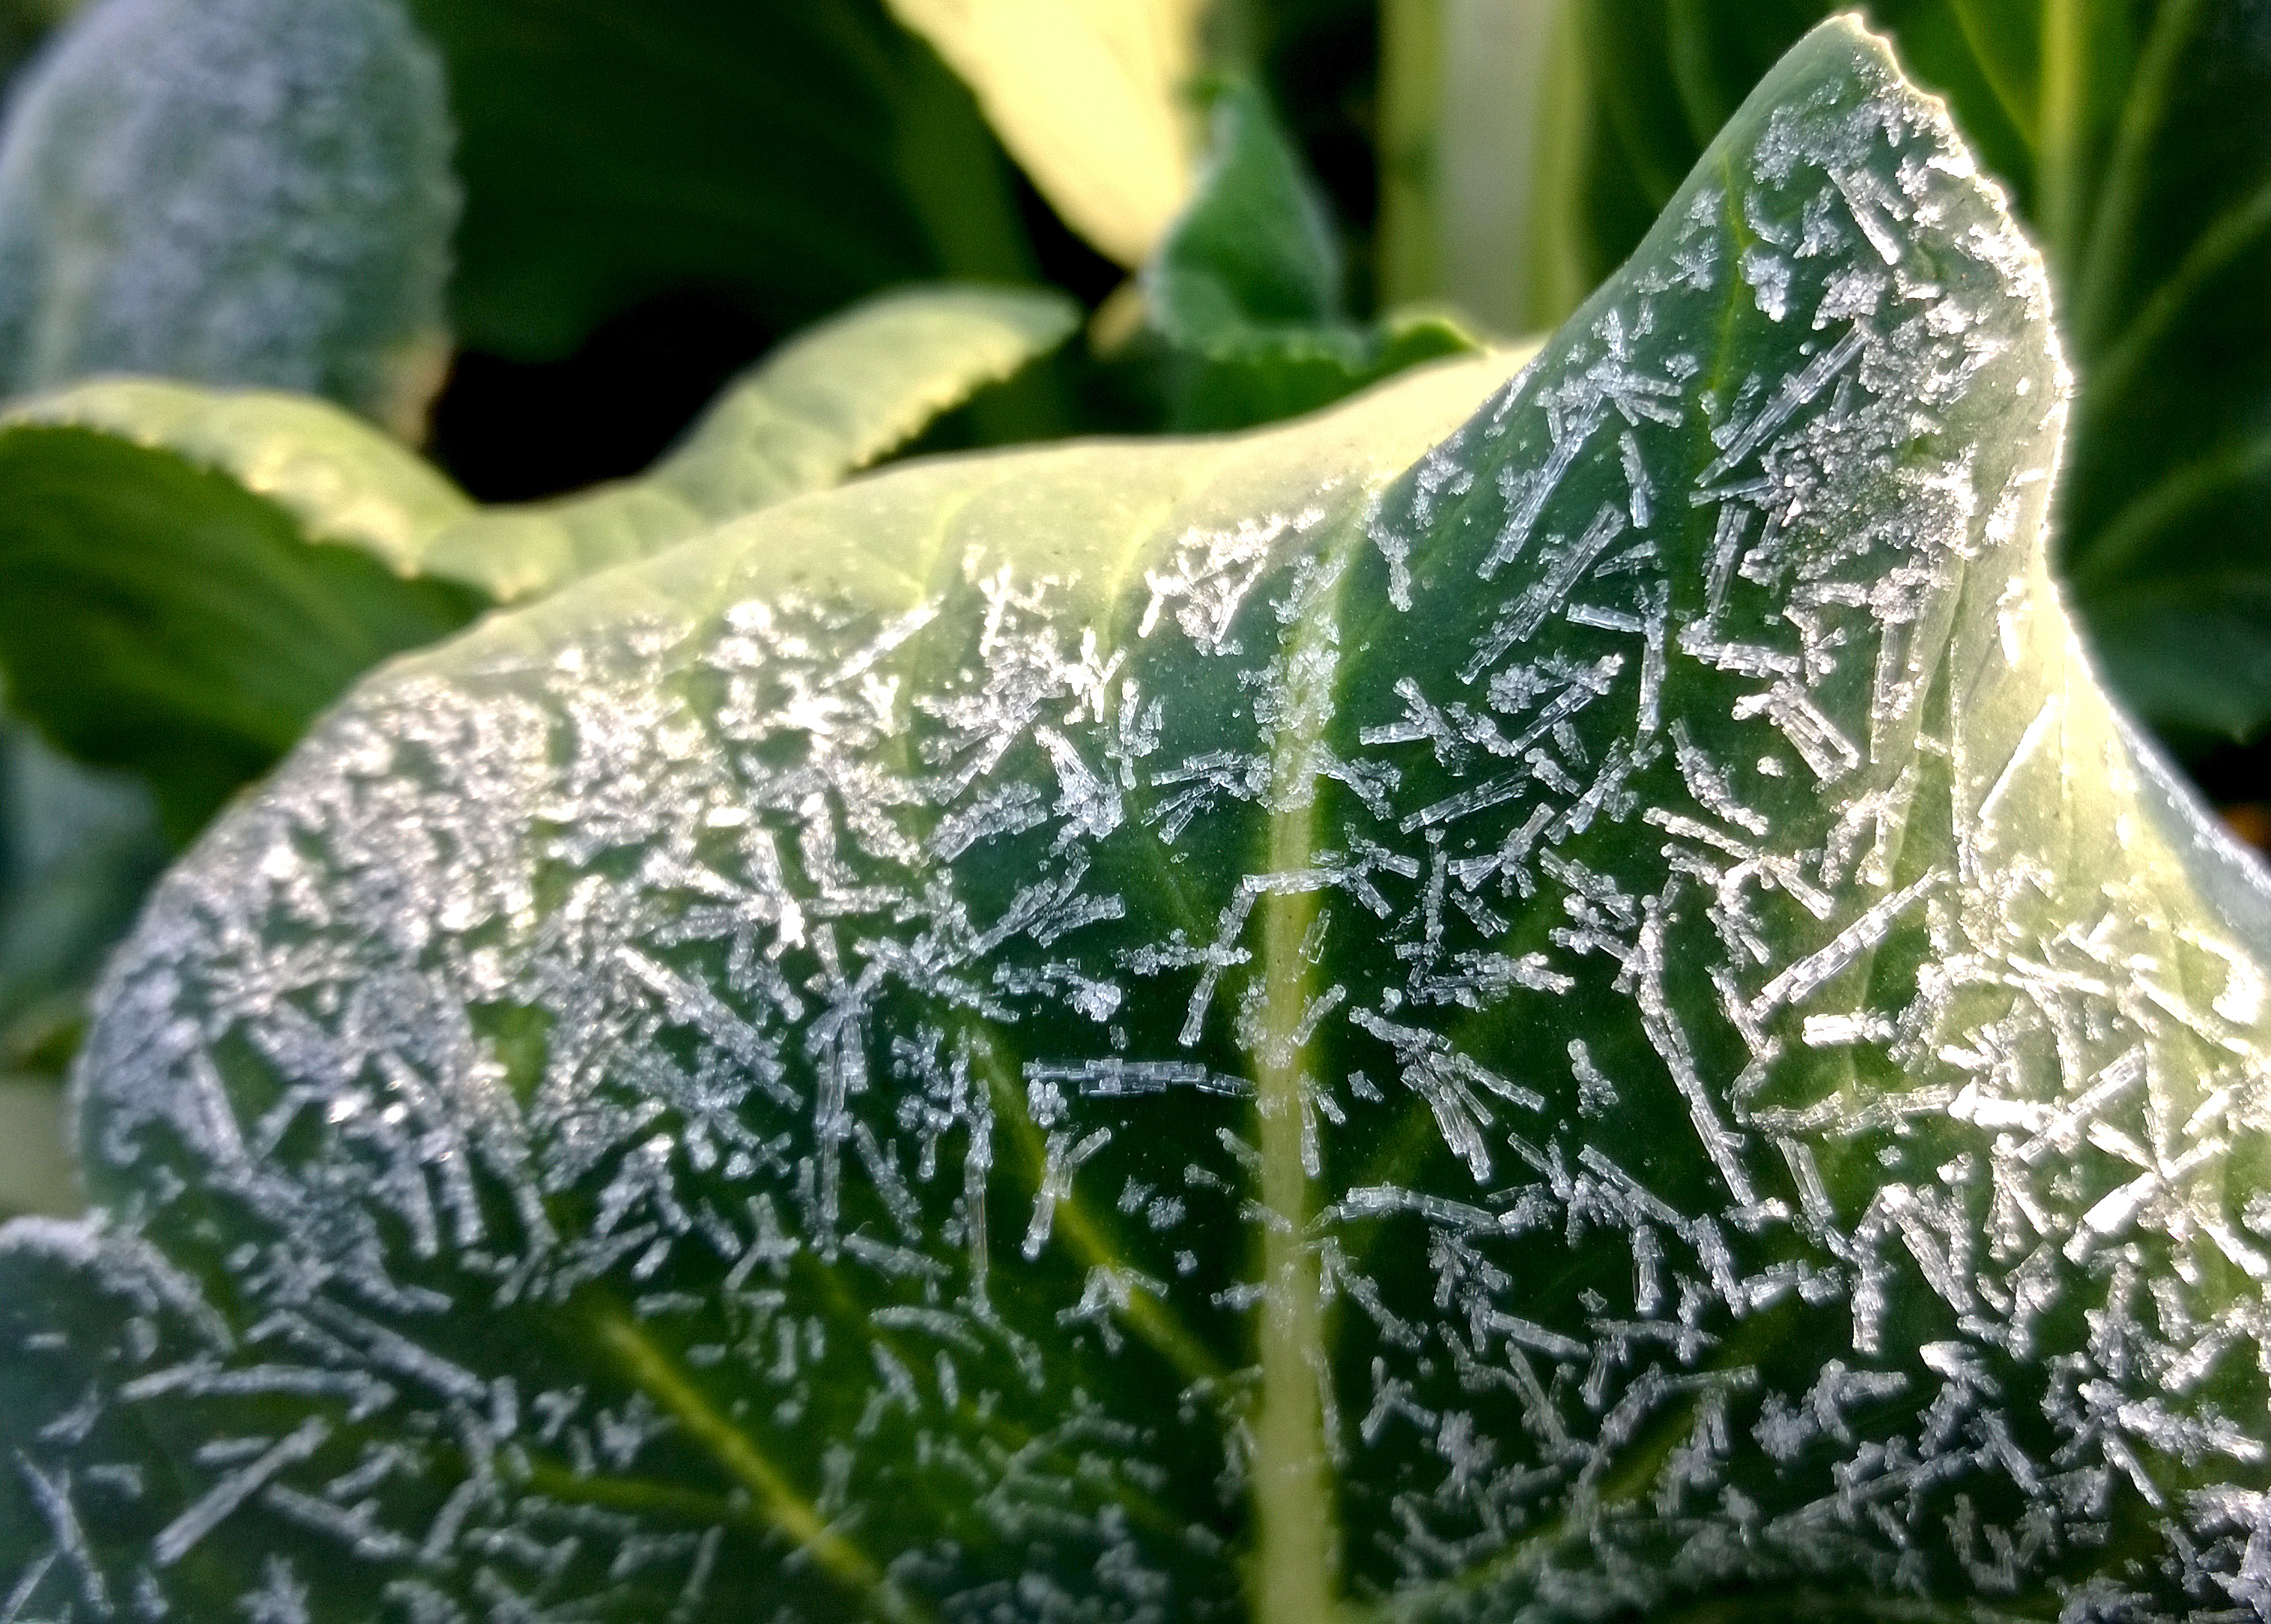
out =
column 1599, row 1016
column 233, row 192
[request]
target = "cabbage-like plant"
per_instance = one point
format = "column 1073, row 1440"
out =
column 1551, row 992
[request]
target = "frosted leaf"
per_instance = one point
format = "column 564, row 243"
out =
column 876, row 1067
column 165, row 549
column 231, row 191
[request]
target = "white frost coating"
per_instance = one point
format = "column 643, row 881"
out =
column 232, row 191
column 777, row 1074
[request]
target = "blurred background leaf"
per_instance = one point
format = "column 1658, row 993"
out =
column 186, row 581
column 821, row 407
column 1091, row 96
column 77, row 848
column 657, row 194
column 25, row 25
column 233, row 191
column 1247, row 296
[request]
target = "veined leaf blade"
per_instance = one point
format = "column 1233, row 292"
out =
column 1528, row 999
column 190, row 576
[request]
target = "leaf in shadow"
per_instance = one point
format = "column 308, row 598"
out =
column 1542, row 996
column 793, row 155
column 187, row 577
column 1245, row 298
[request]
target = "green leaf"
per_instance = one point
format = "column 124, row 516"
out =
column 232, row 191
column 824, row 405
column 792, row 154
column 1246, row 291
column 1091, row 98
column 186, row 577
column 35, row 1168
column 2137, row 141
column 25, row 25
column 1539, row 998
column 77, row 851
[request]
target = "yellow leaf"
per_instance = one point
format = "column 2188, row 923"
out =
column 1088, row 96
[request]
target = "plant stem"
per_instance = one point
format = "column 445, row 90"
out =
column 1410, row 254
column 1479, row 104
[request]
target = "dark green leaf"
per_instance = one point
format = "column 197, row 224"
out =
column 24, row 24
column 2136, row 139
column 792, row 154
column 1246, row 291
column 186, row 579
column 1600, row 1019
column 233, row 191
column 36, row 1167
column 77, row 850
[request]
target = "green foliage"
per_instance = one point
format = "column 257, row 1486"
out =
column 77, row 851
column 793, row 154
column 1090, row 99
column 232, row 191
column 2134, row 140
column 24, row 26
column 186, row 579
column 1247, row 288
column 820, row 408
column 1553, row 994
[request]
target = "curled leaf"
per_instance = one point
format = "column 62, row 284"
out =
column 1246, row 294
column 186, row 577
column 2136, row 142
column 1088, row 95
column 825, row 405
